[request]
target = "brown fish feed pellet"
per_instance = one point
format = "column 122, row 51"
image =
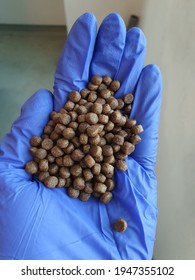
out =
column 79, row 183
column 120, row 225
column 92, row 130
column 83, row 139
column 88, row 187
column 64, row 119
column 121, row 155
column 59, row 128
column 97, row 108
column 92, row 86
column 50, row 158
column 109, row 126
column 128, row 98
column 43, row 165
column 121, row 104
column 81, row 102
column 83, row 144
column 59, row 161
column 105, row 93
column 68, row 133
column 67, row 161
column 35, row 141
column 102, row 141
column 100, row 188
column 84, row 93
column 33, row 150
column 103, row 119
column 86, row 148
column 96, row 169
column 96, row 80
column 101, row 100
column 91, row 118
column 109, row 184
column 43, row 175
column 137, row 129
column 74, row 96
column 54, row 136
column 64, row 172
column 47, row 144
column 107, row 150
column 73, row 125
column 115, row 117
column 114, row 86
column 101, row 87
column 107, row 169
column 89, row 161
column 92, row 97
column 83, row 196
column 127, row 108
column 106, row 197
column 107, row 80
column 118, row 140
column 57, row 151
column 69, row 106
column 76, row 170
column 62, row 143
column 112, row 102
column 100, row 178
column 31, row 167
column 81, row 110
column 48, row 129
column 53, row 169
column 135, row 139
column 40, row 153
column 77, row 155
column 51, row 181
column 87, row 174
column 82, row 127
column 76, row 141
column 121, row 165
column 69, row 149
column 73, row 115
column 61, row 183
column 109, row 159
column 95, row 140
column 73, row 192
column 95, row 150
column 127, row 148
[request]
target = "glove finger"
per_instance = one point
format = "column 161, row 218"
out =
column 109, row 46
column 132, row 61
column 34, row 116
column 135, row 197
column 146, row 110
column 135, row 194
column 72, row 70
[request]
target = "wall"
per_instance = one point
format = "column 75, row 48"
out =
column 101, row 8
column 43, row 12
column 170, row 27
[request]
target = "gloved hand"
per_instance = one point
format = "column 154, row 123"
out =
column 41, row 223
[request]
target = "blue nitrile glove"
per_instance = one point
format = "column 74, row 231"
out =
column 41, row 223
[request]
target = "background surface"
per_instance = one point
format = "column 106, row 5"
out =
column 28, row 59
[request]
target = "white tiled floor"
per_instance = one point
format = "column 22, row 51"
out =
column 27, row 62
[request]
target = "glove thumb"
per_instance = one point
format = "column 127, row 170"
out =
column 14, row 147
